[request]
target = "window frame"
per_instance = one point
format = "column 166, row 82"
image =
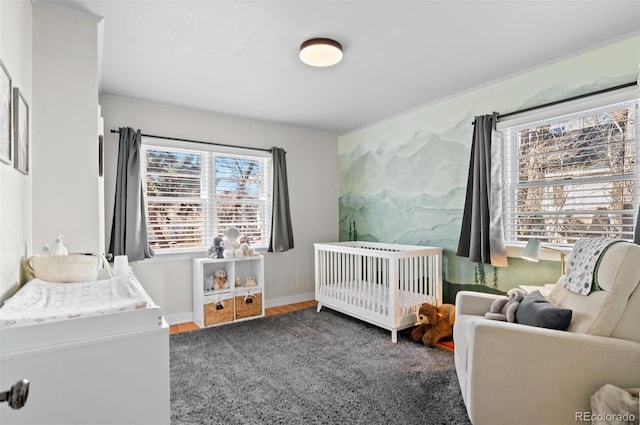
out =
column 557, row 112
column 216, row 150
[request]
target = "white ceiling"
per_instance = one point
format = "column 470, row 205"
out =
column 241, row 57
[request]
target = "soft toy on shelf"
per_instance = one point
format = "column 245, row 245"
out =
column 435, row 323
column 505, row 308
column 245, row 246
column 244, row 250
column 220, row 279
column 208, row 283
column 215, row 250
column 249, row 281
column 230, row 242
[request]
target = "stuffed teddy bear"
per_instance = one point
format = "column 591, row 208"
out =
column 244, row 250
column 505, row 308
column 220, row 279
column 230, row 241
column 215, row 250
column 436, row 323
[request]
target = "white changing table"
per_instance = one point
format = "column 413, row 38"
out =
column 107, row 369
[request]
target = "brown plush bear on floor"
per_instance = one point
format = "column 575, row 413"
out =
column 436, row 323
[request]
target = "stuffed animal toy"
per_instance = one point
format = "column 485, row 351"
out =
column 244, row 250
column 504, row 308
column 208, row 283
column 249, row 281
column 435, row 323
column 220, row 279
column 216, row 250
column 230, row 241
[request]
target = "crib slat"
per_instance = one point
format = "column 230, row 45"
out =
column 394, row 275
column 352, row 280
column 334, row 271
column 358, row 277
column 343, row 281
column 347, row 283
column 371, row 295
column 379, row 289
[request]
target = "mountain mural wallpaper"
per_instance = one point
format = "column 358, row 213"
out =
column 404, row 180
column 412, row 192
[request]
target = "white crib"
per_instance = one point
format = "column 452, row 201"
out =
column 382, row 284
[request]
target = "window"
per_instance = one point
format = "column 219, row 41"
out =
column 572, row 176
column 193, row 195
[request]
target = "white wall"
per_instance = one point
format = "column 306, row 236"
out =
column 66, row 195
column 312, row 166
column 15, row 188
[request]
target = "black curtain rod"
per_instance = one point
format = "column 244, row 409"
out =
column 557, row 102
column 201, row 142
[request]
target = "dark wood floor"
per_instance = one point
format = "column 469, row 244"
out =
column 190, row 326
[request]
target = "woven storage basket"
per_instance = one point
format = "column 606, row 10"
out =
column 220, row 311
column 248, row 305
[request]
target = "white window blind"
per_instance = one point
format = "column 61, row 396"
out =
column 193, row 195
column 573, row 176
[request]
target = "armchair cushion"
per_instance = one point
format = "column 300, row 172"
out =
column 535, row 310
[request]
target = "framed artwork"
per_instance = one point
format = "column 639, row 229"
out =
column 21, row 132
column 5, row 115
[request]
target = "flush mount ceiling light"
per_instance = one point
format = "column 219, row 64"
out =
column 320, row 52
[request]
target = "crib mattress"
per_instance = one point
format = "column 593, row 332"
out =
column 43, row 313
column 375, row 297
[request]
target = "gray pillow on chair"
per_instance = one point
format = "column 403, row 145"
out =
column 535, row 310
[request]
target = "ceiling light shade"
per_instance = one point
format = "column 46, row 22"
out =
column 320, row 52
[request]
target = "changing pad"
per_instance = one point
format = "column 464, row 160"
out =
column 39, row 301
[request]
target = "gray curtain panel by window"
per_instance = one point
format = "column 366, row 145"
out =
column 281, row 230
column 482, row 233
column 129, row 226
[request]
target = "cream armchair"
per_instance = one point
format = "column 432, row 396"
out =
column 516, row 374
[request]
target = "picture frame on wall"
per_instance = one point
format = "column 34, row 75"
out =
column 6, row 115
column 21, row 132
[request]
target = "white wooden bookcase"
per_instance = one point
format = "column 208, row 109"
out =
column 237, row 302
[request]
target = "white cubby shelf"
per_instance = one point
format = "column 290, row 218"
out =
column 237, row 302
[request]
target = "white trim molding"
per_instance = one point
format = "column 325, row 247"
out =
column 292, row 299
column 176, row 319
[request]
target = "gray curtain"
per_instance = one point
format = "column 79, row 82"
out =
column 129, row 226
column 482, row 233
column 281, row 230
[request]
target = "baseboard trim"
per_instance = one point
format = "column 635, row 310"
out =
column 292, row 299
column 175, row 319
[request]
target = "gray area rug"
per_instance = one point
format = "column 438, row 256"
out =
column 310, row 368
